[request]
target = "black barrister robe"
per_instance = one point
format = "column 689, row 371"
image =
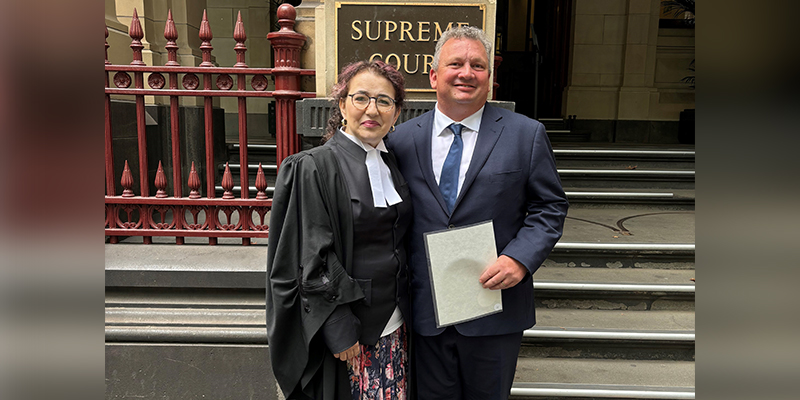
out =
column 309, row 270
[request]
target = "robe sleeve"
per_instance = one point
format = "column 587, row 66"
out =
column 306, row 280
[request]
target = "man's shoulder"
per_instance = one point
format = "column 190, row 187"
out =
column 510, row 116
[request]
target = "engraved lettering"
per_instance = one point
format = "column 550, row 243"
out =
column 397, row 60
column 405, row 28
column 388, row 31
column 437, row 33
column 378, row 35
column 427, row 63
column 425, row 31
column 356, row 29
column 405, row 62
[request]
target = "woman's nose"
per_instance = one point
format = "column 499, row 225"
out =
column 372, row 106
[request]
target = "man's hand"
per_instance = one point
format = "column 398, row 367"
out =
column 505, row 273
column 349, row 353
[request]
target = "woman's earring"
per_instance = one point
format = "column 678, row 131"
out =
column 344, row 122
column 391, row 129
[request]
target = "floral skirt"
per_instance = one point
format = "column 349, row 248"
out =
column 379, row 372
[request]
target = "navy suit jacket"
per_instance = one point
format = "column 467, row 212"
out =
column 511, row 180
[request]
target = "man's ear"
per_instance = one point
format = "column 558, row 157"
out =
column 432, row 77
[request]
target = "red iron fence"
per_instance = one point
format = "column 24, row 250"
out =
column 195, row 216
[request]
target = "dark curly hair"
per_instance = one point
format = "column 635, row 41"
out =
column 341, row 88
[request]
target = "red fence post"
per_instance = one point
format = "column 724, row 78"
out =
column 286, row 44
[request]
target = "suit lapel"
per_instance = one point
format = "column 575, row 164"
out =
column 422, row 142
column 487, row 137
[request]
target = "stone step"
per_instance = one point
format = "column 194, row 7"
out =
column 567, row 136
column 607, row 334
column 678, row 322
column 576, row 288
column 636, row 373
column 553, row 123
column 627, row 178
column 609, row 276
column 622, row 255
column 558, row 391
column 625, row 157
column 641, row 196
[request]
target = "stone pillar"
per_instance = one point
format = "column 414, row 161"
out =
column 307, row 24
column 119, row 51
column 624, row 68
column 639, row 56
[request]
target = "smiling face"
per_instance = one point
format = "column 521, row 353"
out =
column 369, row 125
column 461, row 80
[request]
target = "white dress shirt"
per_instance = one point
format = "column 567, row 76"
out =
column 442, row 139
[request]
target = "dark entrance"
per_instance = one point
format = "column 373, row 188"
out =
column 533, row 37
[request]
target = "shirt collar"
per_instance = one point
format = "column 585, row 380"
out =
column 380, row 147
column 441, row 121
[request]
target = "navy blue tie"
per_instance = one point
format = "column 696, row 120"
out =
column 448, row 181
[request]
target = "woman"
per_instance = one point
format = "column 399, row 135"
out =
column 336, row 266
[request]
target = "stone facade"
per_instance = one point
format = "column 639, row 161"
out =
column 624, row 67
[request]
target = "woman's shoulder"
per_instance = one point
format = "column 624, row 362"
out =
column 307, row 157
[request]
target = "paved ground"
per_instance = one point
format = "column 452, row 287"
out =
column 629, row 224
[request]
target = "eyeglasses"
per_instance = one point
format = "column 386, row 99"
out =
column 383, row 102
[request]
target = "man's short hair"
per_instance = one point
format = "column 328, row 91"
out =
column 462, row 32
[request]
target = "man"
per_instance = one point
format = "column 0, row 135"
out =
column 499, row 166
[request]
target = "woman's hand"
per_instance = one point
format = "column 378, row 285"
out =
column 349, row 353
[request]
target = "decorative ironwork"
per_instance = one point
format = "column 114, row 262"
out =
column 161, row 182
column 194, row 184
column 227, row 183
column 127, row 181
column 206, row 36
column 190, row 81
column 122, row 80
column 239, row 36
column 156, row 81
column 224, row 82
column 259, row 82
column 171, row 34
column 136, row 33
column 261, row 184
column 196, row 215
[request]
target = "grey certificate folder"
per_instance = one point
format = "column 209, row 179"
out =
column 456, row 259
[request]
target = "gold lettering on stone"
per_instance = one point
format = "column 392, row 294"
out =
column 356, row 29
column 405, row 62
column 397, row 60
column 378, row 35
column 427, row 62
column 388, row 31
column 436, row 34
column 405, row 28
column 421, row 31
